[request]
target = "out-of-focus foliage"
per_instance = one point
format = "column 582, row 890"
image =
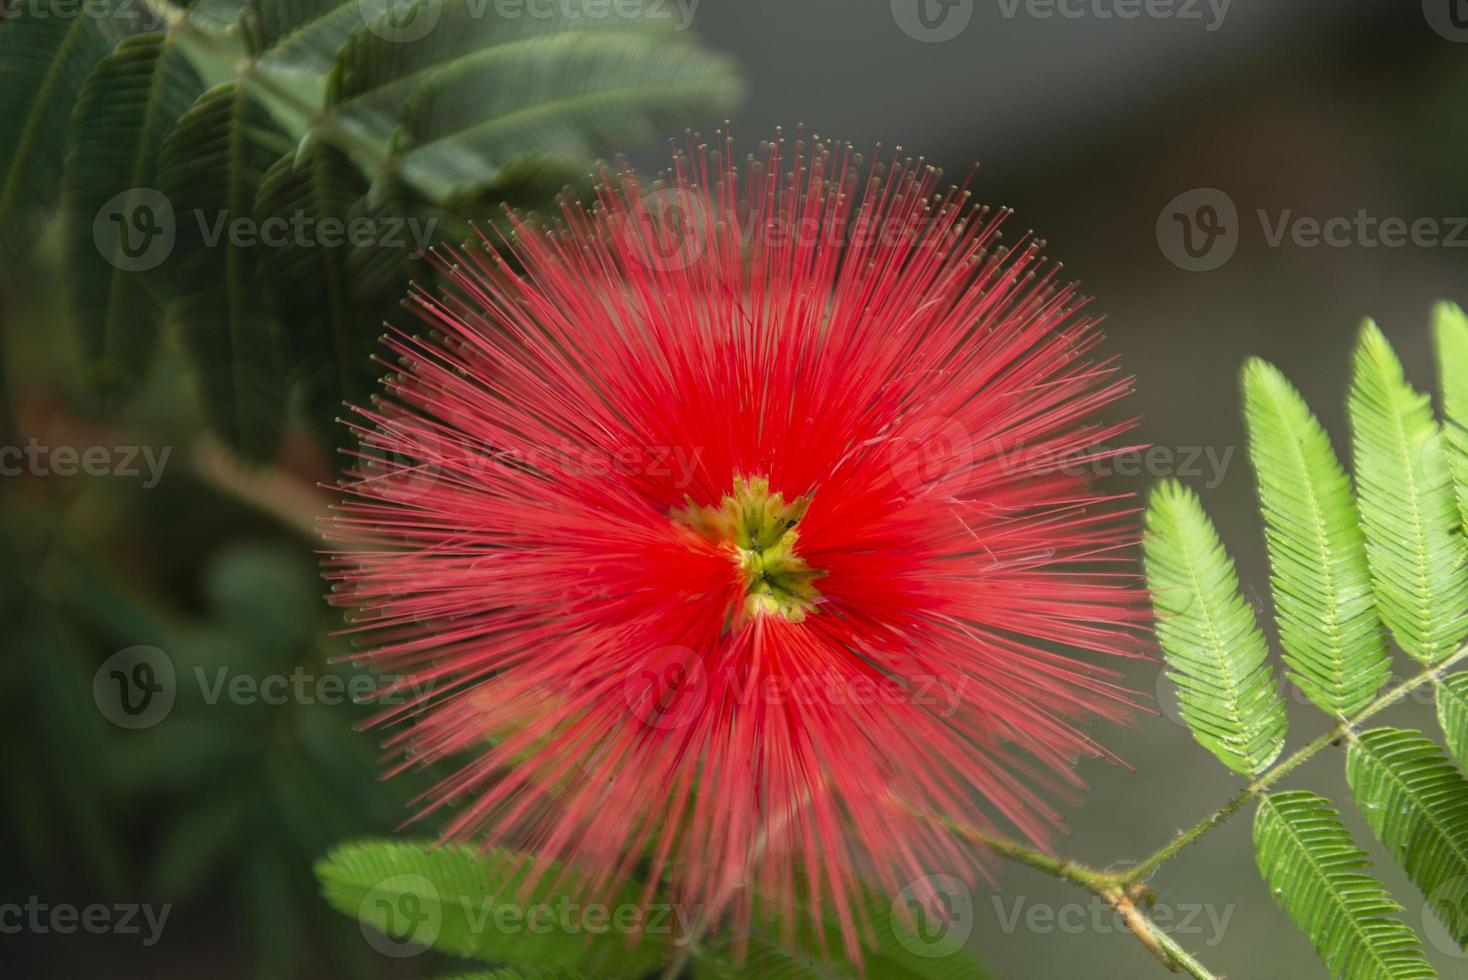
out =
column 265, row 177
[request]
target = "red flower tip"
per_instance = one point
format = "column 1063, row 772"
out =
column 729, row 526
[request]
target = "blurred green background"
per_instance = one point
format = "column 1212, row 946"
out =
column 1091, row 127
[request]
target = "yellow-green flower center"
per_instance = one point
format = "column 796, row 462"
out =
column 758, row 528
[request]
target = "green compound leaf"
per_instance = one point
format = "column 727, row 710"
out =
column 1328, row 624
column 1209, row 635
column 118, row 228
column 1450, row 334
column 330, row 323
column 1416, row 802
column 1408, row 512
column 47, row 49
column 1452, row 715
column 456, row 96
column 474, row 904
column 1314, row 871
column 212, row 167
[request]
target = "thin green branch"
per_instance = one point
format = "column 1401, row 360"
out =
column 1280, row 770
column 1121, row 888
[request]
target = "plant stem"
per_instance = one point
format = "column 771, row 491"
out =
column 1092, row 879
column 1433, row 675
column 1121, row 888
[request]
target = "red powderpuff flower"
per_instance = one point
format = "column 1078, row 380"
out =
column 736, row 530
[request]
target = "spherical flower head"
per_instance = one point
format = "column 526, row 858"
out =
column 738, row 531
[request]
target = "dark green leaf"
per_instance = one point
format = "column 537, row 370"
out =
column 212, row 168
column 118, row 226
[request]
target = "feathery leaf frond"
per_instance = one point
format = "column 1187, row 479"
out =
column 1314, row 871
column 1328, row 624
column 1416, row 802
column 1209, row 636
column 1408, row 512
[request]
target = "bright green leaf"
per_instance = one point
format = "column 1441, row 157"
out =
column 1408, row 511
column 1314, row 871
column 1452, row 715
column 1328, row 625
column 1209, row 636
column 1416, row 802
column 472, row 903
column 1450, row 333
